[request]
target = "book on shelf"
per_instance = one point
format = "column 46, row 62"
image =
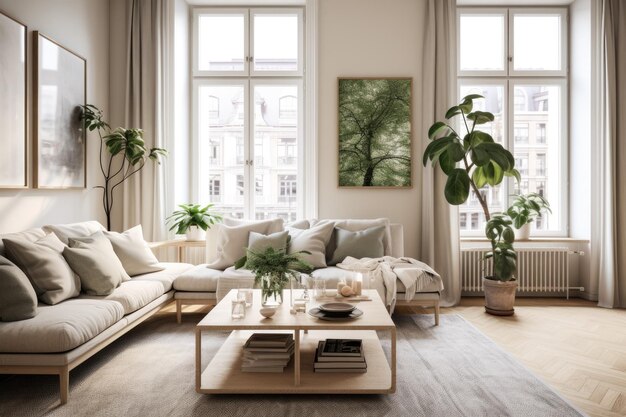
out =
column 320, row 358
column 271, row 340
column 259, row 356
column 269, row 369
column 341, row 370
column 285, row 349
column 342, row 347
column 261, row 364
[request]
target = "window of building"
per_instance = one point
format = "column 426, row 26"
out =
column 463, row 221
column 287, row 187
column 248, row 77
column 523, row 77
column 215, row 189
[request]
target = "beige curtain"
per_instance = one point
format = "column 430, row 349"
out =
column 147, row 107
column 608, row 237
column 439, row 221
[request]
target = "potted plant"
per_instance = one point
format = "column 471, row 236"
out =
column 193, row 220
column 273, row 269
column 524, row 210
column 472, row 161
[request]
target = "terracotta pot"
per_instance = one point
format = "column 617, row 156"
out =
column 195, row 233
column 523, row 233
column 499, row 297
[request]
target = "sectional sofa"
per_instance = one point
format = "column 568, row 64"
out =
column 61, row 336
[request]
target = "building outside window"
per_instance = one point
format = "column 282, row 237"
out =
column 215, row 189
column 287, row 187
column 287, row 151
column 520, row 133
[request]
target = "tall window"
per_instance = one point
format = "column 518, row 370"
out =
column 248, row 91
column 523, row 77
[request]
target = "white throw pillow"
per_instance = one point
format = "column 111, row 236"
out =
column 81, row 229
column 313, row 240
column 231, row 241
column 133, row 251
column 43, row 263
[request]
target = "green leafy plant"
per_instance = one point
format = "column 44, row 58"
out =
column 273, row 268
column 526, row 208
column 472, row 161
column 192, row 215
column 123, row 153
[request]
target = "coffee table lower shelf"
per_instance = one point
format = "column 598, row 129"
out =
column 223, row 374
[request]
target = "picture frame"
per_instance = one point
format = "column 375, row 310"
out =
column 375, row 146
column 60, row 89
column 13, row 103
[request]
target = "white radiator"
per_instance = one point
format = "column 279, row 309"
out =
column 539, row 270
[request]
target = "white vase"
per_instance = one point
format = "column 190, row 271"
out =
column 195, row 233
column 523, row 233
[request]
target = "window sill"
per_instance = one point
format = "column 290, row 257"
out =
column 531, row 240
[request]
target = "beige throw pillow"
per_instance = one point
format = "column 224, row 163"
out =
column 44, row 265
column 82, row 229
column 232, row 241
column 18, row 300
column 313, row 240
column 95, row 262
column 133, row 251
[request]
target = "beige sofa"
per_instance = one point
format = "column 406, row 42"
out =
column 62, row 336
column 204, row 286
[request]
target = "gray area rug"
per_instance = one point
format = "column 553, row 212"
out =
column 450, row 370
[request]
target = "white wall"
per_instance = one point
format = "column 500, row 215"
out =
column 368, row 38
column 82, row 26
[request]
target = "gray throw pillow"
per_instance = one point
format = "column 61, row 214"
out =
column 312, row 240
column 96, row 263
column 18, row 300
column 258, row 242
column 52, row 278
column 366, row 243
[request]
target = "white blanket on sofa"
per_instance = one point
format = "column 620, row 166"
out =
column 383, row 273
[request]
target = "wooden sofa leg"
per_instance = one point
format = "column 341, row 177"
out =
column 64, row 384
column 436, row 313
column 179, row 312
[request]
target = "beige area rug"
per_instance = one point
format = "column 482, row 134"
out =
column 450, row 370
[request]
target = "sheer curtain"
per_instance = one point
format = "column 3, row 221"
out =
column 608, row 237
column 148, row 107
column 439, row 221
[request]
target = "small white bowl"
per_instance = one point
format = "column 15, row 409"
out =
column 267, row 312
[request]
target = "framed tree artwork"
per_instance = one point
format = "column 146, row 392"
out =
column 13, row 104
column 375, row 132
column 60, row 78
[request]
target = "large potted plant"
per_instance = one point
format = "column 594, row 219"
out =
column 273, row 268
column 193, row 220
column 472, row 161
column 524, row 210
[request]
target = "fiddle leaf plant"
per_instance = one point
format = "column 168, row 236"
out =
column 471, row 160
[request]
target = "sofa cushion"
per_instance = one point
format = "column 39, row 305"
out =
column 82, row 229
column 60, row 327
column 18, row 300
column 312, row 240
column 133, row 294
column 232, row 240
column 171, row 271
column 30, row 235
column 42, row 261
column 355, row 225
column 133, row 251
column 197, row 279
column 95, row 262
column 366, row 243
column 299, row 224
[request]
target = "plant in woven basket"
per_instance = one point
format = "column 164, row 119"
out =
column 273, row 268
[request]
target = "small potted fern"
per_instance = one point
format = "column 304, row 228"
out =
column 273, row 269
column 193, row 220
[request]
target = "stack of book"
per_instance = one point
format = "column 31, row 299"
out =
column 340, row 355
column 267, row 352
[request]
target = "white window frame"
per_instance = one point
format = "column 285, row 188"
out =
column 508, row 79
column 480, row 11
column 306, row 116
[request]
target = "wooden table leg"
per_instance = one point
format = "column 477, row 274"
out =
column 296, row 358
column 393, row 360
column 198, row 358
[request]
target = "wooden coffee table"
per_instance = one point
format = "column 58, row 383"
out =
column 223, row 374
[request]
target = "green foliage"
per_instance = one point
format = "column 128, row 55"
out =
column 123, row 153
column 192, row 215
column 526, row 208
column 502, row 236
column 273, row 268
column 374, row 132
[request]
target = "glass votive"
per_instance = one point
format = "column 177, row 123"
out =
column 319, row 287
column 245, row 294
column 238, row 310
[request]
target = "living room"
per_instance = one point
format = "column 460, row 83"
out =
column 390, row 155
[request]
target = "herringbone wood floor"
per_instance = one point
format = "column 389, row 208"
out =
column 574, row 346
